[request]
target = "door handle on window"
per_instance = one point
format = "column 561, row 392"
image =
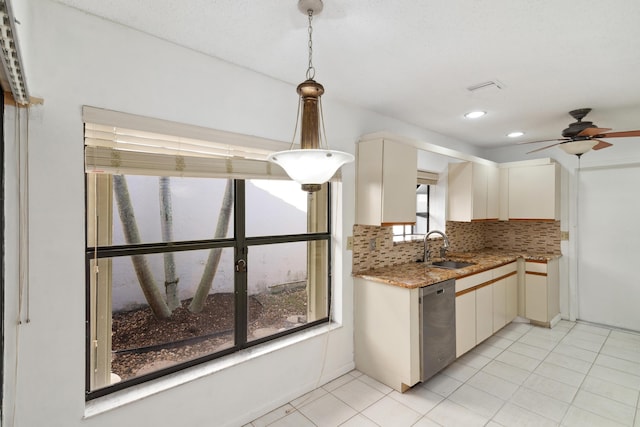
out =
column 241, row 266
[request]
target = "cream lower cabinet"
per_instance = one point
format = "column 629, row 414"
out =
column 511, row 285
column 387, row 333
column 484, row 312
column 505, row 295
column 499, row 304
column 542, row 294
column 485, row 302
column 465, row 322
column 467, row 309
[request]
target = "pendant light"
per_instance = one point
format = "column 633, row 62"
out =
column 311, row 165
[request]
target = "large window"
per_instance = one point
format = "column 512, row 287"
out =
column 184, row 269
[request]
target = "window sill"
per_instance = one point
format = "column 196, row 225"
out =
column 407, row 238
column 141, row 391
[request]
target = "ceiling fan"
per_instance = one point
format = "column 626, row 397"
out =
column 581, row 137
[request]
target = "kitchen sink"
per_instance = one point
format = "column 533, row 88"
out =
column 452, row 265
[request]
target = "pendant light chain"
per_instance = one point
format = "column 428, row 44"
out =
column 311, row 71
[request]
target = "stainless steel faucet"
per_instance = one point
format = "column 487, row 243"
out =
column 427, row 254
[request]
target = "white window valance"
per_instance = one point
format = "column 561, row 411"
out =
column 427, row 178
column 121, row 143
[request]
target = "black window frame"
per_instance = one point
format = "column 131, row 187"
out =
column 241, row 245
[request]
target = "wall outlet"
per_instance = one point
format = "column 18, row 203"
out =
column 564, row 235
column 373, row 244
column 350, row 243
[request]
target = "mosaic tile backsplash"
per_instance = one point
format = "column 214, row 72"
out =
column 373, row 247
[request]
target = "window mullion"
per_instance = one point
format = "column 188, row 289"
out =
column 240, row 261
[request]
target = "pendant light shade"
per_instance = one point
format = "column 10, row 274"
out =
column 311, row 165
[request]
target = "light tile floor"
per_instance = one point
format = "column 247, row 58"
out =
column 572, row 375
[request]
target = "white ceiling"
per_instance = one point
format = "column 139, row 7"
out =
column 414, row 59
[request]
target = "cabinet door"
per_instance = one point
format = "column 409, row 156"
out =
column 386, row 182
column 399, row 178
column 535, row 289
column 473, row 191
column 511, row 288
column 534, row 192
column 484, row 313
column 499, row 304
column 465, row 322
column 493, row 192
column 479, row 194
column 460, row 191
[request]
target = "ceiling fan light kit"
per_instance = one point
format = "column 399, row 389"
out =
column 311, row 166
column 578, row 147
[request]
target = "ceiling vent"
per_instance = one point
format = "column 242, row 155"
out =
column 491, row 84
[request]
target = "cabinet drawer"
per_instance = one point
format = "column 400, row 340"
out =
column 475, row 280
column 504, row 270
column 536, row 267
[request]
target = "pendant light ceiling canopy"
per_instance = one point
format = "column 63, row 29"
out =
column 311, row 165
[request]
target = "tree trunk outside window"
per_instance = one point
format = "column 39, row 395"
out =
column 166, row 222
column 197, row 303
column 132, row 235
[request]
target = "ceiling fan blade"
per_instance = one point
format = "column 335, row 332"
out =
column 544, row 148
column 593, row 131
column 601, row 144
column 545, row 140
column 620, row 134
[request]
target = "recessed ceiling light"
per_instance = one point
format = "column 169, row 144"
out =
column 515, row 134
column 475, row 114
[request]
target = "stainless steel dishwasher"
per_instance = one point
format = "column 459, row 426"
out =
column 437, row 327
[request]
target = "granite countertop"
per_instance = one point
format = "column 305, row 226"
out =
column 416, row 274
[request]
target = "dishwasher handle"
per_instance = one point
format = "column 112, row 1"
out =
column 446, row 287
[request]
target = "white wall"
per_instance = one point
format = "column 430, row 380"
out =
column 608, row 250
column 73, row 59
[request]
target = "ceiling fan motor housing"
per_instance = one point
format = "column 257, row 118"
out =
column 576, row 127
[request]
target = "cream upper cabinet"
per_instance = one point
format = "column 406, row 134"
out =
column 473, row 191
column 493, row 191
column 386, row 182
column 534, row 192
column 503, row 194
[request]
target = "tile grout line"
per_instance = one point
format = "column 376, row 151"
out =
column 587, row 375
column 521, row 386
